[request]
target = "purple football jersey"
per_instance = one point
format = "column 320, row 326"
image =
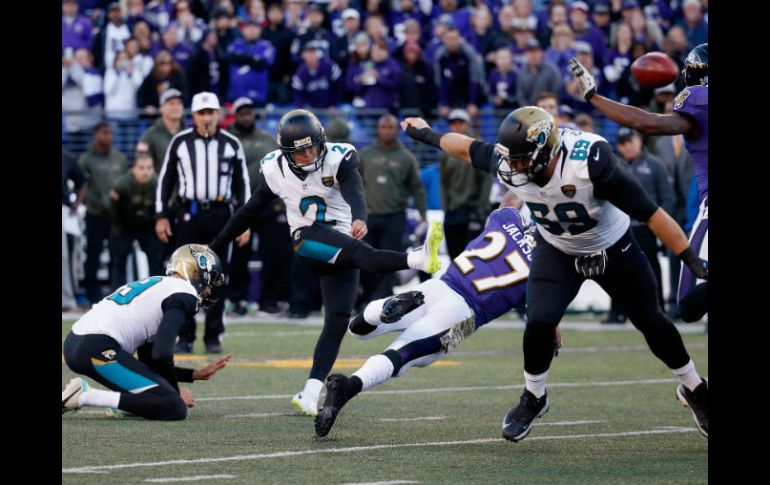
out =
column 491, row 274
column 693, row 102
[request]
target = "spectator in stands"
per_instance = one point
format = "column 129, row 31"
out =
column 375, row 28
column 391, row 176
column 190, row 28
column 461, row 17
column 413, row 34
column 165, row 74
column 204, row 71
column 315, row 33
column 180, row 51
column 149, row 45
column 480, row 35
column 695, row 26
column 132, row 214
column 282, row 69
column 418, row 90
column 618, row 55
column 121, row 82
column 503, row 35
column 250, row 59
column 522, row 35
column 537, row 76
column 271, row 228
column 584, row 30
column 522, row 12
column 645, row 30
column 140, row 62
column 158, row 14
column 585, row 122
column 549, row 101
column 459, row 75
column 293, row 15
column 334, row 11
column 224, row 26
column 110, row 38
column 561, row 50
column 440, row 26
column 317, row 80
column 337, row 131
column 155, row 139
column 648, row 169
column 628, row 90
column 601, row 18
column 501, row 82
column 103, row 164
column 406, row 11
column 376, row 83
column 82, row 96
column 464, row 192
column 252, row 10
column 342, row 45
column 134, row 13
column 76, row 30
column 70, row 201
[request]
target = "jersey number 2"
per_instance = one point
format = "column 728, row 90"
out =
column 320, row 208
column 491, row 251
column 128, row 292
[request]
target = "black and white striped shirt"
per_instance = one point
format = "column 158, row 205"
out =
column 207, row 169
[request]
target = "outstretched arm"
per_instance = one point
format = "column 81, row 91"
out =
column 453, row 144
column 630, row 116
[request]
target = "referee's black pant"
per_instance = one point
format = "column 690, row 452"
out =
column 554, row 283
column 201, row 226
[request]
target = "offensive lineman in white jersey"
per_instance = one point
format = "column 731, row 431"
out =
column 323, row 192
column 580, row 199
column 144, row 317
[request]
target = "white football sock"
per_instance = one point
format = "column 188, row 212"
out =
column 688, row 375
column 97, row 397
column 536, row 383
column 376, row 370
column 414, row 258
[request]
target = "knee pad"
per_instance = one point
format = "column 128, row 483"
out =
column 397, row 306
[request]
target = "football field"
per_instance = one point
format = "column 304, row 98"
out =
column 614, row 417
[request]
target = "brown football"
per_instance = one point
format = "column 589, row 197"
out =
column 654, row 70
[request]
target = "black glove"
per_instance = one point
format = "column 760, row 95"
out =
column 698, row 266
column 591, row 265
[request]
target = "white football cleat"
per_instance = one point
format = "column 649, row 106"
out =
column 71, row 394
column 305, row 403
column 428, row 253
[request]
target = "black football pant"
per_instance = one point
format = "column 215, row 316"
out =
column 554, row 283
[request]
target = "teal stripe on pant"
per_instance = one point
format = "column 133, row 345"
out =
column 318, row 250
column 123, row 377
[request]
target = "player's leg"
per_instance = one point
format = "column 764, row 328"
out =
column 395, row 313
column 447, row 322
column 629, row 279
column 693, row 293
column 553, row 283
column 338, row 287
column 325, row 244
column 136, row 388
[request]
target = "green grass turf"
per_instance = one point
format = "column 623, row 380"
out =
column 490, row 358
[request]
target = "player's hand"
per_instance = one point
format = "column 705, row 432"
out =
column 163, row 229
column 591, row 265
column 586, row 81
column 205, row 373
column 698, row 266
column 415, row 122
column 358, row 229
column 243, row 239
column 186, row 394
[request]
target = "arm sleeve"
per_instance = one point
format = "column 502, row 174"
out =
column 352, row 186
column 177, row 309
column 483, row 156
column 616, row 184
column 243, row 217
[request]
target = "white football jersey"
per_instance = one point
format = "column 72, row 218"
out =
column 567, row 214
column 318, row 197
column 132, row 314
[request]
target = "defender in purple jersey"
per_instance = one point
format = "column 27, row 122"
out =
column 485, row 281
column 690, row 118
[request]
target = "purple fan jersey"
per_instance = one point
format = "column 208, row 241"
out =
column 491, row 274
column 693, row 102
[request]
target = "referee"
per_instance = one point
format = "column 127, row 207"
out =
column 208, row 167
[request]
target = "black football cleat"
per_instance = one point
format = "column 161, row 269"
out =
column 399, row 305
column 698, row 402
column 336, row 396
column 518, row 421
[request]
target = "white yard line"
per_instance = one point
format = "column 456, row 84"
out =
column 389, row 482
column 571, row 423
column 261, row 415
column 353, row 449
column 188, row 479
column 431, row 390
column 423, row 418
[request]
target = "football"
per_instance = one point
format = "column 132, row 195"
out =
column 654, row 70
